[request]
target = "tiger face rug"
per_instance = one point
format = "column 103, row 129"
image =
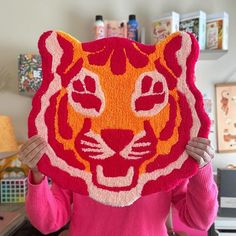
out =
column 118, row 114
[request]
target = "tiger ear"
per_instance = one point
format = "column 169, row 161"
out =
column 57, row 50
column 179, row 50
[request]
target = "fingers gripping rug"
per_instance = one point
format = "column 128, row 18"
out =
column 117, row 115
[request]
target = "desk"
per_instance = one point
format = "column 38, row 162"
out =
column 14, row 216
column 18, row 225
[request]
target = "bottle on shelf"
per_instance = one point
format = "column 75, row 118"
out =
column 132, row 28
column 99, row 27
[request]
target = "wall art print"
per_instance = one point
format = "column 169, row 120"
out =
column 29, row 73
column 226, row 117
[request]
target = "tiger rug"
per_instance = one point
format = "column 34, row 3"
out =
column 117, row 114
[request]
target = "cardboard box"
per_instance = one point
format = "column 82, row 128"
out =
column 164, row 26
column 217, row 26
column 195, row 23
column 116, row 28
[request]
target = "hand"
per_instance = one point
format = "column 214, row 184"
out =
column 201, row 150
column 31, row 152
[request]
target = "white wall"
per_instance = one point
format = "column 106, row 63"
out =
column 22, row 22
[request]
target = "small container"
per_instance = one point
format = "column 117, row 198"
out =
column 217, row 27
column 99, row 27
column 13, row 190
column 165, row 25
column 195, row 23
column 116, row 28
column 132, row 28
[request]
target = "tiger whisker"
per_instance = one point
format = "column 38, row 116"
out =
column 90, row 144
column 91, row 150
column 139, row 153
column 144, row 144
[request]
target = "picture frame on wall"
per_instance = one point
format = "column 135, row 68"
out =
column 226, row 117
column 29, row 73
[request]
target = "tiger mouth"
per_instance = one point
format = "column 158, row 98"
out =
column 117, row 182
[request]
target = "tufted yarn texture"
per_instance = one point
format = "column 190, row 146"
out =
column 118, row 114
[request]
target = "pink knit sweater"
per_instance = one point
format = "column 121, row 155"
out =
column 51, row 208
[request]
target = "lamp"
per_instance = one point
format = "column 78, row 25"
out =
column 8, row 143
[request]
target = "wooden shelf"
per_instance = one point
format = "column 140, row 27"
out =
column 211, row 54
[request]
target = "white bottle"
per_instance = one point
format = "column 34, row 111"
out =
column 99, row 27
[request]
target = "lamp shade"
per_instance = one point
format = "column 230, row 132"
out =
column 8, row 143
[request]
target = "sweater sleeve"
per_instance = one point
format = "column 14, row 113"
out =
column 196, row 199
column 48, row 208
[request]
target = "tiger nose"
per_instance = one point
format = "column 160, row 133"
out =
column 117, row 139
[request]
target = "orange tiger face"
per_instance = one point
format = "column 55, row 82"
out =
column 117, row 114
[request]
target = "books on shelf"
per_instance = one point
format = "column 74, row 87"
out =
column 164, row 26
column 217, row 31
column 195, row 23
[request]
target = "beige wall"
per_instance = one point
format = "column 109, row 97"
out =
column 21, row 23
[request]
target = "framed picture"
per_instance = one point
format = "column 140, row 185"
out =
column 226, row 117
column 29, row 73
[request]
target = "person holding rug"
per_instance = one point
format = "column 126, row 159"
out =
column 49, row 209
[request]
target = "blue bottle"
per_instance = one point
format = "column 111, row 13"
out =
column 132, row 28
